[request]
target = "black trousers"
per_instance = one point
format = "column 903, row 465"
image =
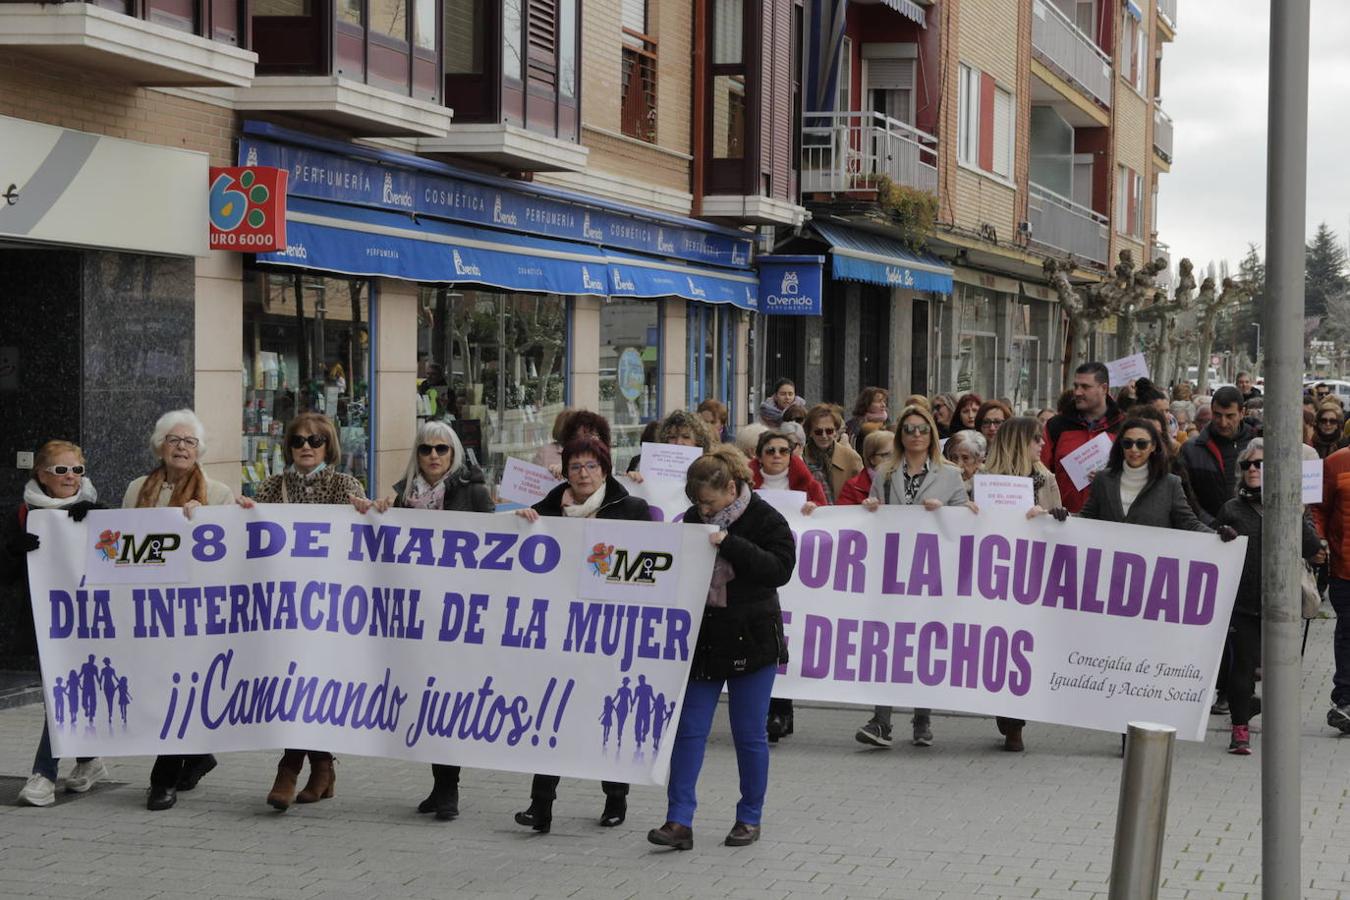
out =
column 168, row 769
column 780, row 707
column 1245, row 639
column 545, row 787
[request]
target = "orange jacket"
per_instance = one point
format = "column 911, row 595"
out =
column 1334, row 515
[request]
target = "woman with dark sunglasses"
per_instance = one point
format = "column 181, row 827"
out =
column 440, row 478
column 1327, row 436
column 831, row 462
column 312, row 452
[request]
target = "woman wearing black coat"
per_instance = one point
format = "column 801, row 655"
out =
column 740, row 644
column 1244, row 514
column 1136, row 486
column 590, row 492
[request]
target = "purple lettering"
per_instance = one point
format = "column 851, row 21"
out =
column 890, row 566
column 849, row 572
column 1028, row 570
column 965, row 566
column 1202, row 580
column 993, row 577
column 995, row 661
column 813, row 570
column 965, row 655
column 904, row 649
column 1089, row 601
column 925, row 573
column 844, row 647
column 816, row 648
column 1061, row 585
column 1019, row 680
column 872, row 660
column 1128, row 571
column 1164, row 592
column 932, row 637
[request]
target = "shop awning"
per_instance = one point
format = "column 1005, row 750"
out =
column 909, row 9
column 640, row 276
column 862, row 256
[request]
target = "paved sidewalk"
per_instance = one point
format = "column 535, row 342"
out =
column 958, row 820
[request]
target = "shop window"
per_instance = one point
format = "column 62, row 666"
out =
column 307, row 347
column 977, row 343
column 711, row 344
column 494, row 365
column 630, row 370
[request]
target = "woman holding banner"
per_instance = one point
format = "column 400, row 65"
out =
column 916, row 475
column 740, row 644
column 590, row 492
column 178, row 441
column 58, row 482
column 1016, row 450
column 438, row 477
column 312, row 452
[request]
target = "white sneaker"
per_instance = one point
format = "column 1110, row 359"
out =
column 85, row 775
column 39, row 791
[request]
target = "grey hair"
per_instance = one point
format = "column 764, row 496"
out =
column 794, row 432
column 747, row 436
column 969, row 437
column 1255, row 445
column 171, row 420
column 430, row 432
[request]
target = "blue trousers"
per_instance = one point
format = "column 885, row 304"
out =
column 44, row 763
column 748, row 707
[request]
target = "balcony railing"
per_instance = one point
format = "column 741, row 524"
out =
column 1059, row 42
column 848, row 151
column 1060, row 224
column 1162, row 134
column 1168, row 9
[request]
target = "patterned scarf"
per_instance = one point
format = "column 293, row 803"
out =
column 426, row 496
column 191, row 488
column 913, row 483
column 723, row 572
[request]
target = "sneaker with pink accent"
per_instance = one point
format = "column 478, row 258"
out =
column 1241, row 744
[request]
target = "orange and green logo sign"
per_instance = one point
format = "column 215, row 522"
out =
column 247, row 207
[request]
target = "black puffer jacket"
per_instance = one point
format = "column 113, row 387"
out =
column 747, row 634
column 1244, row 516
column 618, row 503
column 1211, row 462
column 465, row 491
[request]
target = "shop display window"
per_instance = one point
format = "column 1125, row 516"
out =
column 711, row 331
column 494, row 365
column 307, row 347
column 630, row 368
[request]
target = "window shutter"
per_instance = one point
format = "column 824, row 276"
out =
column 986, row 122
column 1132, row 207
column 1003, row 126
column 890, row 74
column 542, row 33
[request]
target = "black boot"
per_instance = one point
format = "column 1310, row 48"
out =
column 429, row 804
column 539, row 816
column 616, row 810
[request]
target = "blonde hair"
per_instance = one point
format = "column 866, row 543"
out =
column 52, row 449
column 875, row 441
column 722, row 466
column 1010, row 450
column 747, row 437
column 934, row 451
column 683, row 420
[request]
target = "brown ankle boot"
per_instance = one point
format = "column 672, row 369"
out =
column 321, row 779
column 283, row 789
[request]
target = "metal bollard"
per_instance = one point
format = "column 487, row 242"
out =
column 1141, row 816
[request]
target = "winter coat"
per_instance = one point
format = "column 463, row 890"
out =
column 747, row 634
column 1244, row 516
column 799, row 479
column 1335, row 511
column 844, row 463
column 943, row 482
column 1213, row 474
column 618, row 503
column 327, row 486
column 1161, row 503
column 465, row 491
column 1063, row 435
column 856, row 490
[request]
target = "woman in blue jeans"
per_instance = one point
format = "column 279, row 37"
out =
column 740, row 644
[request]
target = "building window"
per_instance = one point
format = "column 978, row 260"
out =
column 1129, row 202
column 307, row 347
column 1004, row 107
column 728, row 80
column 968, row 115
column 638, row 107
column 977, row 343
column 494, row 365
column 465, row 36
column 711, row 344
column 985, row 120
column 630, row 372
column 1134, row 53
column 844, row 88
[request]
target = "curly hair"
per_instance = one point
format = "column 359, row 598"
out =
column 684, row 420
column 584, row 418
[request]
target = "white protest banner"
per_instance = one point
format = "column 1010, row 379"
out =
column 1009, row 491
column 667, row 499
column 1081, row 623
column 525, row 483
column 1087, row 459
column 561, row 646
column 667, row 461
column 1312, row 480
column 783, row 501
column 1126, row 369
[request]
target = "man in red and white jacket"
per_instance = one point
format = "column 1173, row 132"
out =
column 1094, row 413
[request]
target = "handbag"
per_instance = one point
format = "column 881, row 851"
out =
column 1312, row 597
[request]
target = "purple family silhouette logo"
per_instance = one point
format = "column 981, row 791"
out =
column 650, row 712
column 77, row 694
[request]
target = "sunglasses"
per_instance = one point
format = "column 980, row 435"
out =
column 1133, row 444
column 428, row 449
column 777, row 451
column 314, row 440
column 1329, row 421
column 823, row 432
column 64, row 470
column 921, row 428
column 1249, row 464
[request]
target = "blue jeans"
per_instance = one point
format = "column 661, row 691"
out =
column 44, row 763
column 1340, row 601
column 748, row 708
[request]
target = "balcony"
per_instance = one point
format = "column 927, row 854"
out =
column 845, row 152
column 1167, row 10
column 1070, row 53
column 1060, row 224
column 155, row 43
column 1162, row 134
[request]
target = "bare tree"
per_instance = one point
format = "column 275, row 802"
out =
column 1125, row 295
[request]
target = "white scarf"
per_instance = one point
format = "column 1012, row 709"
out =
column 37, row 498
column 587, row 509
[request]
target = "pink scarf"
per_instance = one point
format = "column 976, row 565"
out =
column 722, row 570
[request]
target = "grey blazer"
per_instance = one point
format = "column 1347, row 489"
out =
column 1162, row 504
column 943, row 482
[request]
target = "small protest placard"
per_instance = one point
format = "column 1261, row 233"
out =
column 525, row 483
column 1123, row 371
column 667, row 461
column 1088, row 459
column 1312, row 481
column 1010, row 491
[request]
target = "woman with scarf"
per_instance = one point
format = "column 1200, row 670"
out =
column 58, row 482
column 1244, row 515
column 311, row 451
column 783, row 398
column 178, row 441
column 869, row 407
column 1330, row 419
column 1016, row 450
column 590, row 492
column 916, row 475
column 831, row 462
column 438, row 477
column 740, row 644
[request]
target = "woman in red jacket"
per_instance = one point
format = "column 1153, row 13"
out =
column 775, row 468
column 876, row 449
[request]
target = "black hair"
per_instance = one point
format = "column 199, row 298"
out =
column 1157, row 457
column 782, row 383
column 1146, row 391
column 1226, row 396
column 1097, row 370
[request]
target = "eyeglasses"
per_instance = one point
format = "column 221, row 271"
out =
column 1246, row 464
column 1330, row 420
column 921, row 428
column 823, row 432
column 1134, row 444
column 882, row 454
column 63, row 470
column 175, row 440
column 776, row 451
column 428, row 449
column 314, row 440
column 578, row 468
column 992, row 423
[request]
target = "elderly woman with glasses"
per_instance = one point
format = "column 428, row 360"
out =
column 966, row 450
column 311, row 451
column 178, row 441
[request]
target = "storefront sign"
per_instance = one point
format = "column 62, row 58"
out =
column 791, row 285
column 416, row 186
column 248, row 208
column 561, row 646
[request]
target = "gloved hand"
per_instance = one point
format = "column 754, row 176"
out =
column 1227, row 533
column 79, row 510
column 1060, row 513
column 22, row 543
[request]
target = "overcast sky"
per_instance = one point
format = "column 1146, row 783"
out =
column 1214, row 88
